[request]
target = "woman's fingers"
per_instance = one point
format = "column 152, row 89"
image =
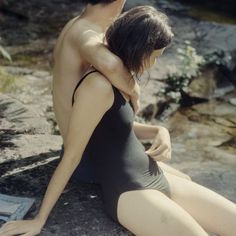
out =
column 157, row 150
column 11, row 232
column 161, row 153
column 155, row 144
column 22, row 227
column 162, row 157
column 7, row 228
column 6, row 224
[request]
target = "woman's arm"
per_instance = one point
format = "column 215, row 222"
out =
column 91, row 102
column 160, row 149
column 144, row 131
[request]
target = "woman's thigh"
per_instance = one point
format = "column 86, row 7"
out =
column 150, row 212
column 214, row 212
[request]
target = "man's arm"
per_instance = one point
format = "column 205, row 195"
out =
column 92, row 49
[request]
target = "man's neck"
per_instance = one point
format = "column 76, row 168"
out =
column 103, row 15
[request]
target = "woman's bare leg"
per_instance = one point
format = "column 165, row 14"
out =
column 213, row 212
column 150, row 212
column 173, row 171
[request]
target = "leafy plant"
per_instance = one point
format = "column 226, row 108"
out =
column 190, row 66
column 11, row 83
column 219, row 58
column 5, row 54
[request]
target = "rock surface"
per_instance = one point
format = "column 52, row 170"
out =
column 203, row 144
column 203, row 135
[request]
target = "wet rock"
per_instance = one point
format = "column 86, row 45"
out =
column 232, row 101
column 20, row 146
column 215, row 108
column 18, row 70
column 17, row 116
column 149, row 112
column 203, row 136
column 203, row 86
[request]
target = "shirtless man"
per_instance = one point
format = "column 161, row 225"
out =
column 80, row 45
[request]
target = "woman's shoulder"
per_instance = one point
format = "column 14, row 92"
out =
column 97, row 86
column 99, row 81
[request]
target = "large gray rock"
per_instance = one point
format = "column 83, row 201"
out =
column 18, row 117
column 203, row 136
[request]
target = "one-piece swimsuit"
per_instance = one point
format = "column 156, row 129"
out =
column 118, row 157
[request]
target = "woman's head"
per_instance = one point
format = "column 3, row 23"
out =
column 139, row 36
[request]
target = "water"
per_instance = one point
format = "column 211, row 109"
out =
column 220, row 12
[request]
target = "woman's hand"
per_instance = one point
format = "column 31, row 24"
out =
column 22, row 227
column 160, row 149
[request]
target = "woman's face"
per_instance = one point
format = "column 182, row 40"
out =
column 152, row 59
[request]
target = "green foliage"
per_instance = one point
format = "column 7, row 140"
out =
column 189, row 69
column 10, row 83
column 5, row 54
column 219, row 58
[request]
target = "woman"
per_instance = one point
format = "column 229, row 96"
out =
column 137, row 193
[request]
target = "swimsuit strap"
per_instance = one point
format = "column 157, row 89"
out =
column 73, row 100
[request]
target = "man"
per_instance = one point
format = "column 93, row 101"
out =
column 80, row 45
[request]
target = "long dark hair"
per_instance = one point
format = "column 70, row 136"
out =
column 136, row 34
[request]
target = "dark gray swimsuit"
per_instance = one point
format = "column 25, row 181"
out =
column 118, row 157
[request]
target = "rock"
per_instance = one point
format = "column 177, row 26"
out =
column 215, row 108
column 18, row 70
column 149, row 112
column 203, row 86
column 41, row 74
column 232, row 101
column 221, row 92
column 168, row 112
column 224, row 121
column 21, row 146
column 19, row 117
column 197, row 135
column 202, row 136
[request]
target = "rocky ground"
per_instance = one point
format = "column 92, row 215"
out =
column 203, row 135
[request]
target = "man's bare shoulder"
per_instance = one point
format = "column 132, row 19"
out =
column 76, row 33
column 82, row 30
